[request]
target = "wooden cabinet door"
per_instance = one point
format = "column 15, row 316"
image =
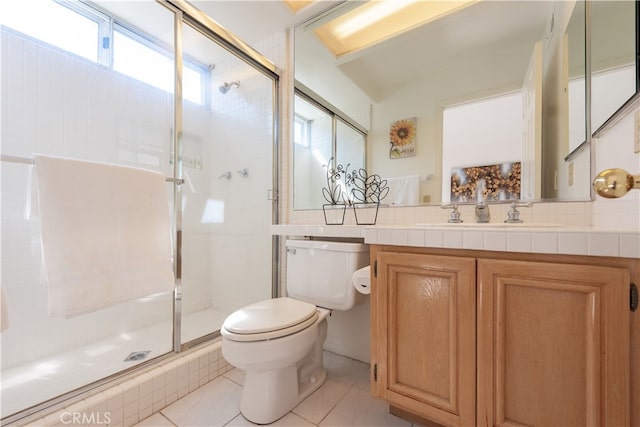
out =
column 424, row 338
column 553, row 344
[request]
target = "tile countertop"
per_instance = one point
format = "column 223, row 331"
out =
column 494, row 237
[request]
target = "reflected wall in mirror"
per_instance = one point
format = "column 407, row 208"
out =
column 531, row 50
column 614, row 41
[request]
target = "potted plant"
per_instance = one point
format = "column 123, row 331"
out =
column 367, row 191
column 333, row 193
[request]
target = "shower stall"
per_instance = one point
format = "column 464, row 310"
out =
column 153, row 85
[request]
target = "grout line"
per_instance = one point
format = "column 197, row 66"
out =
column 167, row 418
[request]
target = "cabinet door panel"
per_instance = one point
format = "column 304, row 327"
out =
column 426, row 335
column 552, row 344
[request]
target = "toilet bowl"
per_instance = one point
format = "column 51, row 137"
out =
column 278, row 342
column 284, row 365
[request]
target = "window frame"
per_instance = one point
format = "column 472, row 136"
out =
column 107, row 26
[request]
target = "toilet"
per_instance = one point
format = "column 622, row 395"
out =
column 278, row 342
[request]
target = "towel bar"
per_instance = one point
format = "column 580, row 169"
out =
column 28, row 161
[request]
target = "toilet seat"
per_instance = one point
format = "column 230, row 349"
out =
column 269, row 319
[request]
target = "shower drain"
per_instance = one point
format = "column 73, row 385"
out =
column 137, row 355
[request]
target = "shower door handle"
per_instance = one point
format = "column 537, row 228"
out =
column 270, row 194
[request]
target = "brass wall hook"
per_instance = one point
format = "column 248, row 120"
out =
column 614, row 183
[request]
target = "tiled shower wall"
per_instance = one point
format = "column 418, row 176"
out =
column 54, row 103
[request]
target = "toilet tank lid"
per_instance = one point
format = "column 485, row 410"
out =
column 328, row 246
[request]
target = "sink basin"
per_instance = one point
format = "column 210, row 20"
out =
column 491, row 225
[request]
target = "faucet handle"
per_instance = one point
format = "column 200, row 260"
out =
column 454, row 216
column 513, row 214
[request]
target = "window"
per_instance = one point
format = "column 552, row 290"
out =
column 138, row 60
column 54, row 24
column 301, row 130
column 76, row 27
column 138, row 57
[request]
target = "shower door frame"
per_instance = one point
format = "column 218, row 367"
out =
column 185, row 13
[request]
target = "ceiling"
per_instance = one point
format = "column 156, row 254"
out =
column 460, row 38
column 252, row 21
column 375, row 69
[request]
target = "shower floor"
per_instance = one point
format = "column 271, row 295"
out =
column 44, row 379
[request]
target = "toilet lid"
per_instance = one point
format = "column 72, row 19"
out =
column 269, row 319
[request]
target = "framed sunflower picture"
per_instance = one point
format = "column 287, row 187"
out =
column 402, row 137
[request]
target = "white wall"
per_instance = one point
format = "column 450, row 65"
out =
column 614, row 149
column 316, row 69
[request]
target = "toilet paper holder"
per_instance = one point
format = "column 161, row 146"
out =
column 361, row 280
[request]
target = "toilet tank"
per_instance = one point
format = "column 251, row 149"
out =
column 320, row 272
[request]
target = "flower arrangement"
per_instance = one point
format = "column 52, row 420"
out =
column 502, row 182
column 334, row 193
column 357, row 188
column 367, row 188
column 367, row 191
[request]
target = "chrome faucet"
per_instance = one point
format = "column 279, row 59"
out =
column 482, row 209
column 513, row 215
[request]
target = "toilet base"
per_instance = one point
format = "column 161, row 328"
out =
column 270, row 395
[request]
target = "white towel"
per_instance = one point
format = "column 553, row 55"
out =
column 403, row 190
column 105, row 233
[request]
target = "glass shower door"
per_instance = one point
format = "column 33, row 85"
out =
column 227, row 162
column 61, row 102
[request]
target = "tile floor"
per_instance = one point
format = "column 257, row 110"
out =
column 343, row 400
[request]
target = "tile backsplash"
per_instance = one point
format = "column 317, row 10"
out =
column 564, row 213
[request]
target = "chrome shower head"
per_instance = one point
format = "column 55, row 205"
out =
column 226, row 87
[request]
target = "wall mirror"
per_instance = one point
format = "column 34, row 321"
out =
column 474, row 84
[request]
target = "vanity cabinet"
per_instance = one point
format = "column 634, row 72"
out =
column 488, row 338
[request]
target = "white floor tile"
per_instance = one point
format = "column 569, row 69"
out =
column 343, row 369
column 236, row 375
column 315, row 407
column 155, row 420
column 358, row 408
column 289, row 420
column 343, row 400
column 214, row 404
column 364, row 381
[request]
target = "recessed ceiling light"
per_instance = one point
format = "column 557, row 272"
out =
column 296, row 5
column 378, row 20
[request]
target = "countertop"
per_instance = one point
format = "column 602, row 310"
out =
column 528, row 238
